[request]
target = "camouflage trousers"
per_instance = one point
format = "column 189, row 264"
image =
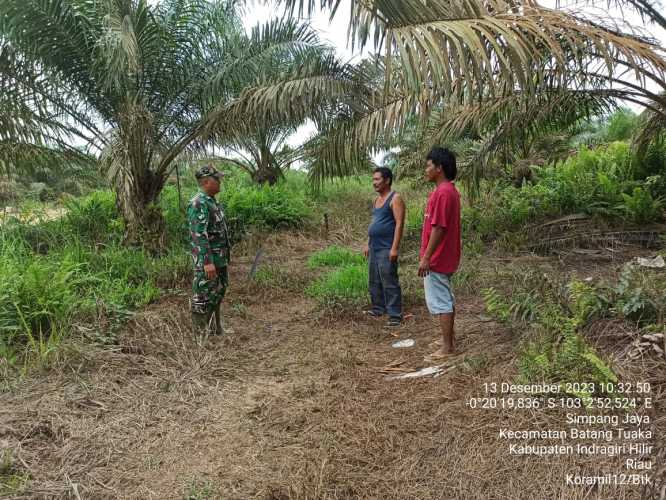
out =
column 207, row 294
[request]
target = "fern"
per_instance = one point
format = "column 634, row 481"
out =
column 605, row 372
column 495, row 304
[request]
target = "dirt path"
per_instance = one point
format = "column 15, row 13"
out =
column 291, row 405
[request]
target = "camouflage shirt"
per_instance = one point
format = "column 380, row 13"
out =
column 208, row 232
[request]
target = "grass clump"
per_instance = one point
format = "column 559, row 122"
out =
column 12, row 480
column 199, row 489
column 335, row 256
column 346, row 285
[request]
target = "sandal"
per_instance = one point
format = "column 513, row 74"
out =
column 393, row 322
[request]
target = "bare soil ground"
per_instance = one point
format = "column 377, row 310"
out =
column 293, row 404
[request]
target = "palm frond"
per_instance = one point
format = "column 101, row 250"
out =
column 32, row 135
column 649, row 10
column 493, row 47
column 652, row 128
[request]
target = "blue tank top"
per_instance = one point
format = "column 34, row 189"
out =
column 382, row 226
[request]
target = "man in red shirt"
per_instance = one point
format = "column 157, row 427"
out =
column 440, row 244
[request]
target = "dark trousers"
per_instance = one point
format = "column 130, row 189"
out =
column 384, row 284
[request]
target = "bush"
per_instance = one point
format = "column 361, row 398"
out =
column 621, row 125
column 640, row 207
column 245, row 205
column 339, row 188
column 335, row 256
column 273, row 207
column 60, row 272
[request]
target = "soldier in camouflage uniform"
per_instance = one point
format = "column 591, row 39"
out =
column 210, row 252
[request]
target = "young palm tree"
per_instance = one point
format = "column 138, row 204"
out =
column 142, row 85
column 264, row 154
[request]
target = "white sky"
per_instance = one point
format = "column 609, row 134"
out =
column 335, row 32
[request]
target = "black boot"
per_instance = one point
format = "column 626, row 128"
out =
column 201, row 323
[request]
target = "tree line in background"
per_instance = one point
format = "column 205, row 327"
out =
column 137, row 89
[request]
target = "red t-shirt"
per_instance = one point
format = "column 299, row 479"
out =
column 443, row 209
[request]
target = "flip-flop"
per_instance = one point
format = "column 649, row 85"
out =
column 438, row 343
column 373, row 314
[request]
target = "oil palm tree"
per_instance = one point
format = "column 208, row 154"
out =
column 264, row 154
column 447, row 57
column 144, row 85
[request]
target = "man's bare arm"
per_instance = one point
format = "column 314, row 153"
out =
column 399, row 212
column 436, row 237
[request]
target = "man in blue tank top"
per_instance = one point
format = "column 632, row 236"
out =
column 384, row 235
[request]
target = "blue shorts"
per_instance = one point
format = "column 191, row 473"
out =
column 438, row 293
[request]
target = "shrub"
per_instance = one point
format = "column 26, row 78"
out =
column 174, row 210
column 607, row 181
column 42, row 296
column 553, row 349
column 640, row 207
column 245, row 204
column 621, row 125
column 338, row 188
column 279, row 206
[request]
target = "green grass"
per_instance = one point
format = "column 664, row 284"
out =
column 60, row 273
column 199, row 489
column 71, row 270
column 247, row 206
column 335, row 256
column 347, row 285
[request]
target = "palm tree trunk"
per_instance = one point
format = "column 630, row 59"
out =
column 267, row 171
column 136, row 200
column 267, row 174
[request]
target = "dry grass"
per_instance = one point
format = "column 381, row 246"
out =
column 292, row 405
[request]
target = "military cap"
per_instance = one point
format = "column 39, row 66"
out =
column 208, row 171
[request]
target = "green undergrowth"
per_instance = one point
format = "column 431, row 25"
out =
column 247, row 206
column 69, row 272
column 609, row 182
column 345, row 282
column 346, row 285
column 335, row 256
column 555, row 315
column 72, row 273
